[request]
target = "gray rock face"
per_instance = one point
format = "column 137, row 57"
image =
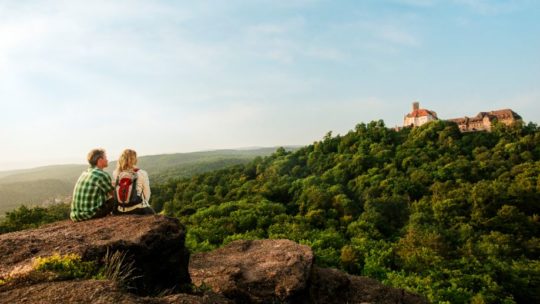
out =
column 154, row 243
column 255, row 271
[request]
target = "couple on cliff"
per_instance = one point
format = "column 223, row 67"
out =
column 96, row 195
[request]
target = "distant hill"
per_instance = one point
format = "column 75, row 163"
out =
column 66, row 173
column 34, row 186
column 165, row 166
column 40, row 192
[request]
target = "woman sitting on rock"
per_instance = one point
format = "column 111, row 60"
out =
column 132, row 186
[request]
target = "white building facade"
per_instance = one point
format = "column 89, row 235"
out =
column 418, row 116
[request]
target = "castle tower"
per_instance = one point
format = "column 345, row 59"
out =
column 418, row 116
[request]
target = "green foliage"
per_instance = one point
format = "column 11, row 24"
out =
column 25, row 218
column 218, row 224
column 453, row 216
column 114, row 266
column 69, row 266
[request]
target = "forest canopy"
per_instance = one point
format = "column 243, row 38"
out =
column 453, row 216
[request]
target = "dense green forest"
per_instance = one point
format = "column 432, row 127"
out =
column 452, row 216
column 31, row 217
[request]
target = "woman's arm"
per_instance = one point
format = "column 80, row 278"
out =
column 145, row 183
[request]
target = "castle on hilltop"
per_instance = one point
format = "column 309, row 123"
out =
column 481, row 122
column 418, row 116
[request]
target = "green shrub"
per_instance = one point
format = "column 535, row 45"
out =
column 114, row 266
column 69, row 266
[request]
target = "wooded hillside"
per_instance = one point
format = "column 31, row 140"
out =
column 453, row 216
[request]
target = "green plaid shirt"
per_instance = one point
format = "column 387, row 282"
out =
column 91, row 191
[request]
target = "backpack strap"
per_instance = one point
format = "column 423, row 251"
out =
column 117, row 199
column 116, row 185
column 134, row 183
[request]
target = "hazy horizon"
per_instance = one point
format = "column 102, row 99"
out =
column 167, row 77
column 84, row 162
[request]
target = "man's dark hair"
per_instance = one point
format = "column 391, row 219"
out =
column 94, row 156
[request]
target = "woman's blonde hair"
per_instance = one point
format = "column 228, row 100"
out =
column 127, row 160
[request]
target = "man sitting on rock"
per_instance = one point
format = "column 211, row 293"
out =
column 92, row 195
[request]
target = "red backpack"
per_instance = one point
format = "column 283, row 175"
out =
column 125, row 192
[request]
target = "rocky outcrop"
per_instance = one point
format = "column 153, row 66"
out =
column 281, row 271
column 255, row 271
column 96, row 292
column 260, row 271
column 332, row 286
column 68, row 292
column 155, row 244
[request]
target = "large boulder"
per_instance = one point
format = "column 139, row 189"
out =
column 255, row 271
column 282, row 271
column 332, row 286
column 154, row 243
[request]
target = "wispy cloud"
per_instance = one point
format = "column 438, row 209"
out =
column 485, row 7
column 87, row 46
column 286, row 42
column 327, row 53
column 397, row 36
column 493, row 7
column 276, row 41
column 417, row 3
column 384, row 36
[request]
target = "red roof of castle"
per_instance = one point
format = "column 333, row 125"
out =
column 421, row 112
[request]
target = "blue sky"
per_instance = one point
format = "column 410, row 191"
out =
column 181, row 76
